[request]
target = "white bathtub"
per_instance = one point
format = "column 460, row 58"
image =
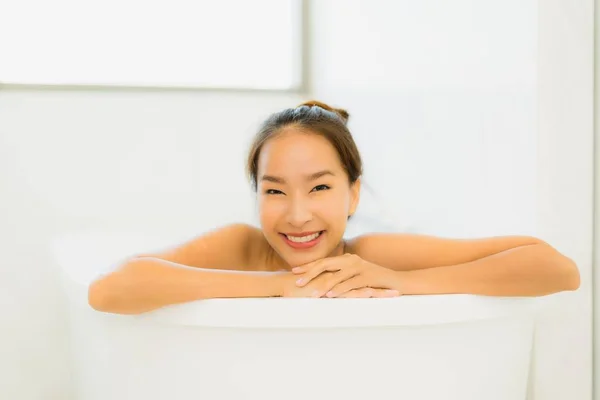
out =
column 451, row 347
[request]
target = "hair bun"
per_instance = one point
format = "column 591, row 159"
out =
column 339, row 111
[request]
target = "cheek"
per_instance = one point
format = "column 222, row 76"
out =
column 334, row 207
column 269, row 212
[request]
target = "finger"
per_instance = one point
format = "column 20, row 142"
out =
column 370, row 293
column 382, row 293
column 356, row 282
column 310, row 272
column 336, row 278
column 314, row 288
column 300, row 269
column 330, row 265
column 358, row 293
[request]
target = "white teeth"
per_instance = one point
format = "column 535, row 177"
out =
column 303, row 239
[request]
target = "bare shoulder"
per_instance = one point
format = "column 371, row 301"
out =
column 405, row 251
column 231, row 247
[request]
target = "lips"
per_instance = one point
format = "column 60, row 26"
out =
column 311, row 239
column 301, row 234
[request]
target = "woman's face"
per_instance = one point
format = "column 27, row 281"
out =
column 304, row 196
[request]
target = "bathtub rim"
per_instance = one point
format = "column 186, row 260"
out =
column 298, row 313
column 309, row 313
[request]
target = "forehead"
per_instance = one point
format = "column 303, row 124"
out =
column 298, row 151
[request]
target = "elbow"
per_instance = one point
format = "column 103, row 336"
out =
column 112, row 293
column 567, row 276
column 106, row 298
column 567, row 271
column 101, row 297
column 573, row 279
column 120, row 292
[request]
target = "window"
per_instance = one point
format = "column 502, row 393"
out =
column 234, row 44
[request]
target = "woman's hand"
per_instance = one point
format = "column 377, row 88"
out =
column 316, row 288
column 338, row 276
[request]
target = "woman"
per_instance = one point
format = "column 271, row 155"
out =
column 306, row 170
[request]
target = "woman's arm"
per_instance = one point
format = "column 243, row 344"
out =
column 209, row 266
column 143, row 284
column 531, row 270
column 407, row 252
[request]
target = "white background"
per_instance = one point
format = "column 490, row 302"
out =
column 474, row 118
column 182, row 43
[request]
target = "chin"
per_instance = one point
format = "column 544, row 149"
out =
column 303, row 259
column 295, row 260
column 295, row 257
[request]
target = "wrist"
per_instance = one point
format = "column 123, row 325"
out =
column 276, row 283
column 239, row 284
column 399, row 282
column 422, row 281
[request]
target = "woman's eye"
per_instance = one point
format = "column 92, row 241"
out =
column 273, row 191
column 321, row 187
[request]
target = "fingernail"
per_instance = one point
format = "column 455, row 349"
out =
column 393, row 292
column 300, row 281
column 330, row 294
column 296, row 269
column 315, row 293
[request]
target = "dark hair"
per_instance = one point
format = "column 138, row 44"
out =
column 314, row 117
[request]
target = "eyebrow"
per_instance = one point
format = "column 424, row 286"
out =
column 311, row 177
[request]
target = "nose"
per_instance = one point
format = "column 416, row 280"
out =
column 299, row 213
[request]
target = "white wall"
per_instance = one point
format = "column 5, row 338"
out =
column 144, row 161
column 596, row 251
column 442, row 101
column 565, row 190
column 475, row 118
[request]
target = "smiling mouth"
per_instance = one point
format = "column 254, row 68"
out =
column 304, row 238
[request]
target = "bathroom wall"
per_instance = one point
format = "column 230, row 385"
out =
column 461, row 122
column 475, row 118
column 150, row 162
column 443, row 103
column 565, row 190
column 596, row 247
